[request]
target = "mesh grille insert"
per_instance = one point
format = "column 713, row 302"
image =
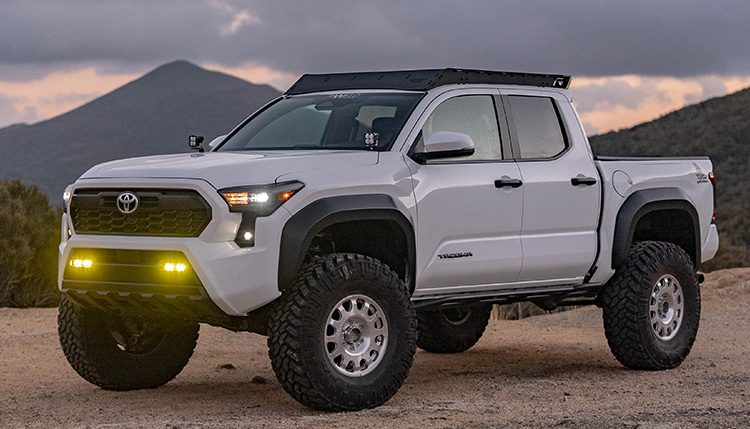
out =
column 161, row 213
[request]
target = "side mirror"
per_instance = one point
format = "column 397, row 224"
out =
column 195, row 143
column 445, row 144
column 215, row 142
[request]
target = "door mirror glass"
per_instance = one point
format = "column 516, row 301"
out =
column 446, row 144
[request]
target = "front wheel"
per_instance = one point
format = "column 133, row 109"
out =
column 343, row 337
column 120, row 352
column 652, row 307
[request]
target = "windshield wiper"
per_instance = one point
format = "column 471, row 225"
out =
column 305, row 147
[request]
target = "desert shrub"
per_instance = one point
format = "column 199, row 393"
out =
column 29, row 234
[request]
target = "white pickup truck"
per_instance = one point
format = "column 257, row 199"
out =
column 362, row 215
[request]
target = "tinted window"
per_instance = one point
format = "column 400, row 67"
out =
column 336, row 121
column 473, row 115
column 537, row 126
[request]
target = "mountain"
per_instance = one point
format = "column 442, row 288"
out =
column 719, row 128
column 148, row 116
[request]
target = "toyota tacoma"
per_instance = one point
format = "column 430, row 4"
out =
column 361, row 216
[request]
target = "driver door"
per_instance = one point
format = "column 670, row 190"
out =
column 468, row 217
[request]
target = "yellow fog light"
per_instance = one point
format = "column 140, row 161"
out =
column 172, row 267
column 82, row 263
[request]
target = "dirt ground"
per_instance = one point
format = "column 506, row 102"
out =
column 546, row 371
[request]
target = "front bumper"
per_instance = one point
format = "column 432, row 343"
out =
column 237, row 280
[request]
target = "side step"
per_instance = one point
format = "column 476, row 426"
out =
column 547, row 296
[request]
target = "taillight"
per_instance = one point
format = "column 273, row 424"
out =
column 713, row 217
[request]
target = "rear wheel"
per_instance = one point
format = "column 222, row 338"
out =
column 343, row 337
column 452, row 330
column 652, row 307
column 121, row 352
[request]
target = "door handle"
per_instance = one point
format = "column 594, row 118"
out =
column 513, row 183
column 583, row 180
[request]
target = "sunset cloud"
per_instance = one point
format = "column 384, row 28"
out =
column 616, row 102
column 56, row 92
column 239, row 17
column 632, row 61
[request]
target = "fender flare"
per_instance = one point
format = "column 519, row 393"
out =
column 646, row 201
column 303, row 226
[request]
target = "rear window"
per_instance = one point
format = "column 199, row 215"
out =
column 537, row 127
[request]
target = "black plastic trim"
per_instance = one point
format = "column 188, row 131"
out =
column 502, row 123
column 646, row 201
column 650, row 158
column 88, row 206
column 303, row 226
column 423, row 157
column 510, row 296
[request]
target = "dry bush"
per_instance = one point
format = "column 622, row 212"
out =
column 29, row 235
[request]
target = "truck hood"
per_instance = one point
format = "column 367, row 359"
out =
column 224, row 169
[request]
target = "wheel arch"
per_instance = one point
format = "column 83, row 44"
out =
column 303, row 227
column 644, row 206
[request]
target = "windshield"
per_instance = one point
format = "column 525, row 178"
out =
column 335, row 121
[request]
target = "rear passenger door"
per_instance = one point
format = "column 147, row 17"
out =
column 561, row 200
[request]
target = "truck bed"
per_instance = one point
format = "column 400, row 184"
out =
column 621, row 177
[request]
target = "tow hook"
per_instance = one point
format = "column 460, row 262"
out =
column 701, row 278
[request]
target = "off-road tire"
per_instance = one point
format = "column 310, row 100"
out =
column 297, row 332
column 625, row 301
column 452, row 330
column 94, row 354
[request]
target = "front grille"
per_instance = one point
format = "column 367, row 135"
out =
column 161, row 213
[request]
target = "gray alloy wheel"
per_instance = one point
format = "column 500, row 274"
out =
column 666, row 307
column 356, row 335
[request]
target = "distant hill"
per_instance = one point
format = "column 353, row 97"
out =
column 719, row 128
column 151, row 115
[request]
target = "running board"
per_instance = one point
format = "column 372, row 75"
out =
column 556, row 294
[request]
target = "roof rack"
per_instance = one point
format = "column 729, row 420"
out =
column 421, row 80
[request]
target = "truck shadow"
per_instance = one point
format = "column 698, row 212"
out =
column 433, row 378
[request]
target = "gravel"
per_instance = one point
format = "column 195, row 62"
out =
column 551, row 371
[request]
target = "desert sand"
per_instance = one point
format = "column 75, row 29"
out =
column 545, row 371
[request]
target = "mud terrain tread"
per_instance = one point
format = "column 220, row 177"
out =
column 623, row 299
column 81, row 343
column 315, row 281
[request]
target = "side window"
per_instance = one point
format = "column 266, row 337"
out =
column 537, row 126
column 473, row 115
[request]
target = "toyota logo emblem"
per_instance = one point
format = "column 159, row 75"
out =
column 127, row 202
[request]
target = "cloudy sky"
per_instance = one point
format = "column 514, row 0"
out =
column 632, row 60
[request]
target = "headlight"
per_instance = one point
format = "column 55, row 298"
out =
column 260, row 200
column 254, row 202
column 67, row 193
